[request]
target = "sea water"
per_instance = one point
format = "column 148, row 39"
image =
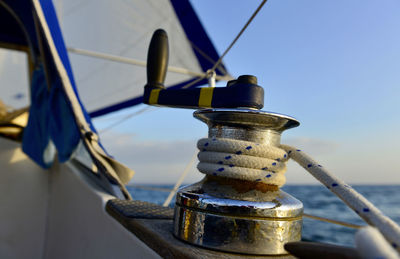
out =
column 318, row 201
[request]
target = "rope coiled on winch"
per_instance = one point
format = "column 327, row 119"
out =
column 243, row 160
column 256, row 162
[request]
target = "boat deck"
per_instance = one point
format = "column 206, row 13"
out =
column 155, row 226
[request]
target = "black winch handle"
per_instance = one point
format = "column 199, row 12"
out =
column 243, row 92
column 157, row 60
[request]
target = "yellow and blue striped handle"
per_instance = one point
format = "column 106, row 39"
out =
column 153, row 99
column 207, row 97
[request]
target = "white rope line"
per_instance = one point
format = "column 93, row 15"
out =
column 371, row 244
column 365, row 209
column 251, row 161
column 137, row 62
column 242, row 160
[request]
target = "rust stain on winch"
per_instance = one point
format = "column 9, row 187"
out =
column 242, row 186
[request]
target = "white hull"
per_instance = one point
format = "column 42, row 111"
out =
column 57, row 213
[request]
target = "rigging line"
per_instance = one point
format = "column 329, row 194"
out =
column 111, row 118
column 136, row 62
column 209, row 59
column 239, row 34
column 180, row 180
column 145, row 109
column 194, row 82
column 337, row 222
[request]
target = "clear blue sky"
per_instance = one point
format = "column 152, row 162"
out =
column 333, row 65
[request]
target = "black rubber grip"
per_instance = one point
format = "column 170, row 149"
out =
column 157, row 60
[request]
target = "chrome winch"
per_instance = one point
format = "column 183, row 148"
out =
column 238, row 215
column 231, row 214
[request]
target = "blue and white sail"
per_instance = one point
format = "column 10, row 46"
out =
column 124, row 28
column 55, row 113
column 58, row 117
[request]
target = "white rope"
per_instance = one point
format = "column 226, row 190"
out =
column 365, row 209
column 264, row 163
column 371, row 244
column 141, row 63
column 242, row 160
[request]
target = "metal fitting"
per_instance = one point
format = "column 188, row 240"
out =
column 216, row 213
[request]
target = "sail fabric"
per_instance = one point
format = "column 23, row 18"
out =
column 124, row 28
column 120, row 28
column 58, row 130
column 58, row 119
column 55, row 114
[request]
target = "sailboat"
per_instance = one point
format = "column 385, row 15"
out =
column 62, row 194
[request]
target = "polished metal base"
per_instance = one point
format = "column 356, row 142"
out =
column 249, row 227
